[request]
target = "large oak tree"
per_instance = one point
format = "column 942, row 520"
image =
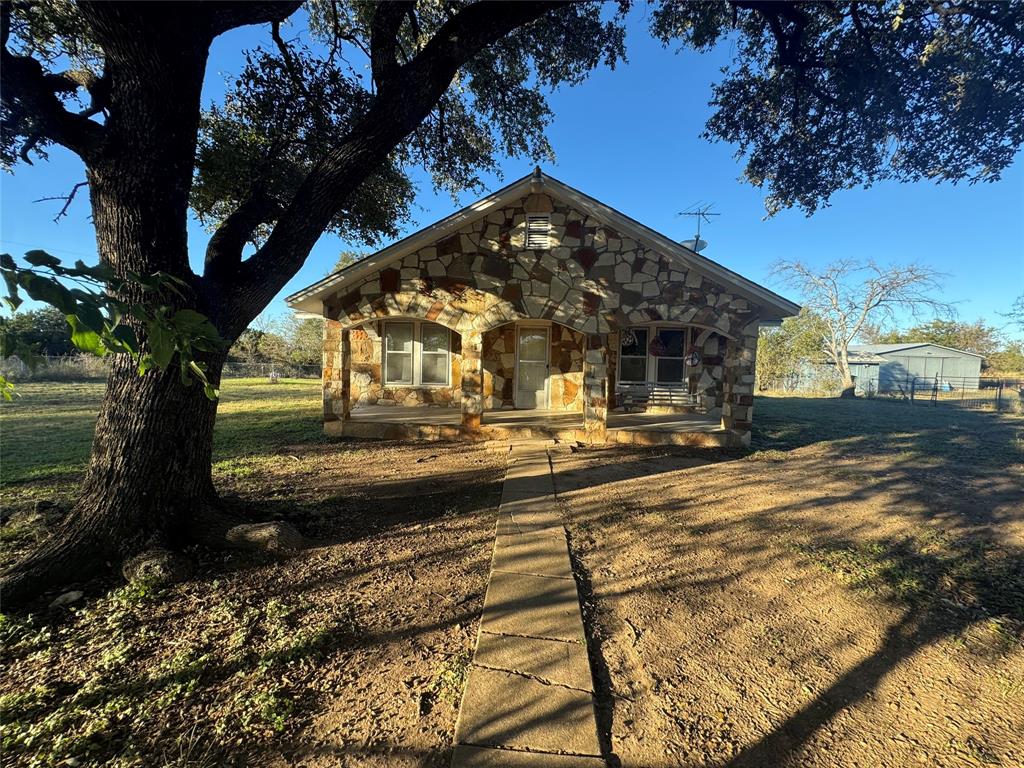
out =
column 325, row 119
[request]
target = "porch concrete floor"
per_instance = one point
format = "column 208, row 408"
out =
column 551, row 420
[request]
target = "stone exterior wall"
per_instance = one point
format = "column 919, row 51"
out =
column 593, row 280
column 565, row 377
column 498, row 355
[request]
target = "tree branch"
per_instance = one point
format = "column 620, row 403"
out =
column 27, row 90
column 226, row 15
column 406, row 97
column 68, row 199
column 224, row 251
column 387, row 20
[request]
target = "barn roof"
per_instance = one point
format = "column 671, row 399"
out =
column 882, row 349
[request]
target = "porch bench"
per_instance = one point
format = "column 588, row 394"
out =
column 650, row 394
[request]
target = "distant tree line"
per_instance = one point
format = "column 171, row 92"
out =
column 290, row 340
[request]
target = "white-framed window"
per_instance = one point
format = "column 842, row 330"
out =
column 633, row 355
column 653, row 354
column 538, row 231
column 435, row 350
column 416, row 354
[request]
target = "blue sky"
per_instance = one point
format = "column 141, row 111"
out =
column 631, row 138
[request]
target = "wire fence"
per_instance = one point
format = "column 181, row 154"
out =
column 269, row 371
column 967, row 392
column 91, row 368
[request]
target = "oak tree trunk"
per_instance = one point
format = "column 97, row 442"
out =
column 149, row 473
column 148, row 481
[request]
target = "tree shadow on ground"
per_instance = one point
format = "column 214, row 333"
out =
column 391, row 584
column 944, row 551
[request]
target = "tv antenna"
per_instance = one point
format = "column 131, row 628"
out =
column 703, row 214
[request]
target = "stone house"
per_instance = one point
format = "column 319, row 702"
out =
column 540, row 300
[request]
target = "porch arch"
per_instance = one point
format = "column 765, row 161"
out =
column 464, row 310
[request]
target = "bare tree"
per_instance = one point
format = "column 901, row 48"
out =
column 853, row 297
column 1016, row 313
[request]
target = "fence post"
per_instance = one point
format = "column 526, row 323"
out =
column 999, row 396
column 913, row 383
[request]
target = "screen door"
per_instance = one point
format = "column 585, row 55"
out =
column 532, row 368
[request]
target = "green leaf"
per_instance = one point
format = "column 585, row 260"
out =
column 39, row 258
column 126, row 336
column 188, row 320
column 90, row 317
column 48, row 291
column 161, row 344
column 7, row 388
column 85, row 338
column 13, row 299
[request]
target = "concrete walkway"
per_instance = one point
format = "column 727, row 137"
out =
column 528, row 700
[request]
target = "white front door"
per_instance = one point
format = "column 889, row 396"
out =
column 532, row 368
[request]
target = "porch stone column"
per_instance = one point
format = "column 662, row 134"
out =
column 595, row 388
column 738, row 384
column 472, row 380
column 337, row 378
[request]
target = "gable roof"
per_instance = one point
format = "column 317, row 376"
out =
column 308, row 299
column 881, row 349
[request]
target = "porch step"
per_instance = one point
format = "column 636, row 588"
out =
column 520, row 443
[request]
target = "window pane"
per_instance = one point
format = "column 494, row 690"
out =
column 434, row 338
column 434, row 369
column 634, row 341
column 398, row 337
column 633, row 369
column 533, row 345
column 670, row 370
column 672, row 340
column 399, row 368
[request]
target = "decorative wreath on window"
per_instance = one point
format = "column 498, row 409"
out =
column 657, row 347
column 628, row 338
column 692, row 358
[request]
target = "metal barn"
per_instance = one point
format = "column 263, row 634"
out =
column 899, row 364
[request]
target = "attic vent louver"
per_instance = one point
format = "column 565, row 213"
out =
column 538, row 231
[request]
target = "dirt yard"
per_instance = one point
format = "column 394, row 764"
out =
column 851, row 594
column 351, row 653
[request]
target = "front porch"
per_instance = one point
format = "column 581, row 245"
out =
column 435, row 423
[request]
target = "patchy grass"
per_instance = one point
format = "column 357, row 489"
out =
column 929, row 571
column 48, row 428
column 320, row 657
column 128, row 680
column 450, row 678
column 930, row 435
column 253, row 417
